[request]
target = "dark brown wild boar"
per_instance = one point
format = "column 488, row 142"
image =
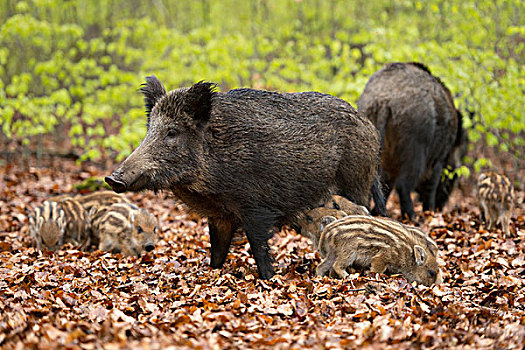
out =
column 421, row 131
column 249, row 158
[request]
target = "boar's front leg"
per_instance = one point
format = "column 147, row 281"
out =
column 221, row 232
column 258, row 227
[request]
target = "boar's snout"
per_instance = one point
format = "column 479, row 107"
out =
column 117, row 185
column 149, row 247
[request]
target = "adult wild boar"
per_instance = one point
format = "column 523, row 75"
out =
column 420, row 128
column 249, row 158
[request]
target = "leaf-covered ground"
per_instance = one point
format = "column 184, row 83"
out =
column 171, row 297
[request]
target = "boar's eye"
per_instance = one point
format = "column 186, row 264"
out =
column 336, row 206
column 432, row 274
column 171, row 134
column 139, row 229
column 309, row 219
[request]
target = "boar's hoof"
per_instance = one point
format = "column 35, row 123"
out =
column 149, row 247
column 116, row 185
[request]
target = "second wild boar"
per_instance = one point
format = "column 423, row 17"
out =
column 421, row 131
column 250, row 158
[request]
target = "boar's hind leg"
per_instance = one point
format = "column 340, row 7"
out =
column 429, row 189
column 258, row 230
column 221, row 232
column 403, row 191
column 386, row 188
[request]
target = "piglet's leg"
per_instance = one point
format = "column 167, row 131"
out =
column 505, row 222
column 493, row 217
column 339, row 268
column 326, row 264
column 379, row 263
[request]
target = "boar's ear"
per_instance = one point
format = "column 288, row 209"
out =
column 197, row 102
column 152, row 90
column 420, row 256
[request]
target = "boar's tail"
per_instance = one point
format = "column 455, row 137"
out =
column 383, row 115
column 379, row 198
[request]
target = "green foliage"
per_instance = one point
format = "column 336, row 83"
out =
column 79, row 63
column 462, row 171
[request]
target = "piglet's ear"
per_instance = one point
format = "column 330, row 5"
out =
column 152, row 90
column 197, row 102
column 420, row 256
column 62, row 221
column 40, row 222
column 325, row 221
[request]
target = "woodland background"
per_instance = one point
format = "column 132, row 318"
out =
column 70, row 110
column 70, row 70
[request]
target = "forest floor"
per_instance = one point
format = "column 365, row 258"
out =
column 172, row 298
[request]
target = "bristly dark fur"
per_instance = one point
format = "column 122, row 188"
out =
column 422, row 131
column 377, row 195
column 400, row 65
column 198, row 101
column 461, row 131
column 425, row 68
column 152, row 90
column 252, row 159
column 421, row 66
column 446, row 185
